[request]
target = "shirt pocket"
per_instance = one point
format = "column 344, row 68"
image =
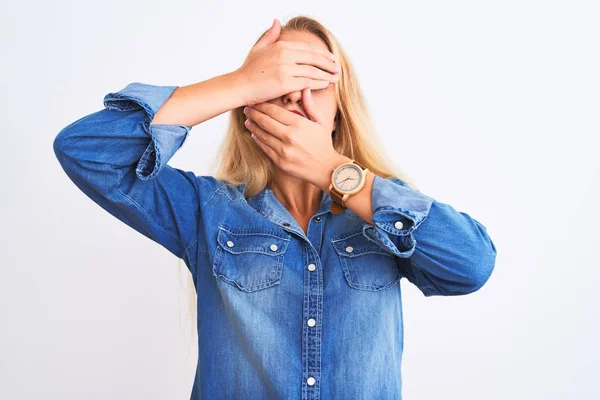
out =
column 366, row 266
column 250, row 258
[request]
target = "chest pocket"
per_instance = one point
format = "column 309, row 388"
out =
column 365, row 264
column 250, row 258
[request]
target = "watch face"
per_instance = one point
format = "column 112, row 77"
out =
column 347, row 177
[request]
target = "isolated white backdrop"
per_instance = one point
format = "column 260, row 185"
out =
column 492, row 107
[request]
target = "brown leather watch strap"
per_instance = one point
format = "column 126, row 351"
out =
column 336, row 196
column 359, row 164
column 336, row 208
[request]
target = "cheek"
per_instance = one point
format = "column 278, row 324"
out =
column 326, row 103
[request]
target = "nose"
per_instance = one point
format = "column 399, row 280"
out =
column 293, row 97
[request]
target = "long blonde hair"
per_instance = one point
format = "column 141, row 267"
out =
column 240, row 160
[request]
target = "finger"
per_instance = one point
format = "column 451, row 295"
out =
column 266, row 137
column 269, row 151
column 266, row 122
column 310, row 57
column 309, row 106
column 270, row 36
column 312, row 72
column 303, row 83
column 278, row 113
column 303, row 46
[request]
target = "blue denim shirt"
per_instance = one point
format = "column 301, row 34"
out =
column 281, row 314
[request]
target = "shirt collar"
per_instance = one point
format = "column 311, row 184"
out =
column 268, row 205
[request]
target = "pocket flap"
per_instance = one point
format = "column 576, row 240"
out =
column 366, row 265
column 356, row 244
column 250, row 240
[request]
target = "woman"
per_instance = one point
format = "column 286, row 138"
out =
column 297, row 246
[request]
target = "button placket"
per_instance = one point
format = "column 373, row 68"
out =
column 312, row 312
column 311, row 331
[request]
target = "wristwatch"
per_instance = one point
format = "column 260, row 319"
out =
column 346, row 180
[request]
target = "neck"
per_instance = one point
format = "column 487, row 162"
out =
column 297, row 196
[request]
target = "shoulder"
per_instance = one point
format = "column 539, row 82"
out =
column 209, row 187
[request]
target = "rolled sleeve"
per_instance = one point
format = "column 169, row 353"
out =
column 119, row 160
column 441, row 250
column 166, row 139
column 397, row 211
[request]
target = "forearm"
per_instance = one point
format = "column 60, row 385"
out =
column 193, row 104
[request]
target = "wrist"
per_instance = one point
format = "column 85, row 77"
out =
column 240, row 83
column 327, row 171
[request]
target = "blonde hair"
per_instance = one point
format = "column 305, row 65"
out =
column 240, row 160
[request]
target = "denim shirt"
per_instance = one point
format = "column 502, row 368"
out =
column 282, row 314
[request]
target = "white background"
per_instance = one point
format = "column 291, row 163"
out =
column 492, row 107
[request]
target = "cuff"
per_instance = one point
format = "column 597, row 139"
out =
column 165, row 139
column 397, row 211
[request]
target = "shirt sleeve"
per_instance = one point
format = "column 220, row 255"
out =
column 440, row 250
column 118, row 159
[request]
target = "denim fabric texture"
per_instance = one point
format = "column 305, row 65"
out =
column 281, row 314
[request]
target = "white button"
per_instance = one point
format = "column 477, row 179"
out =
column 311, row 381
column 349, row 249
column 312, row 267
column 229, row 243
column 398, row 225
column 311, row 322
column 273, row 247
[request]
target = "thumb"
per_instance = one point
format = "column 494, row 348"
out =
column 270, row 36
column 309, row 106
